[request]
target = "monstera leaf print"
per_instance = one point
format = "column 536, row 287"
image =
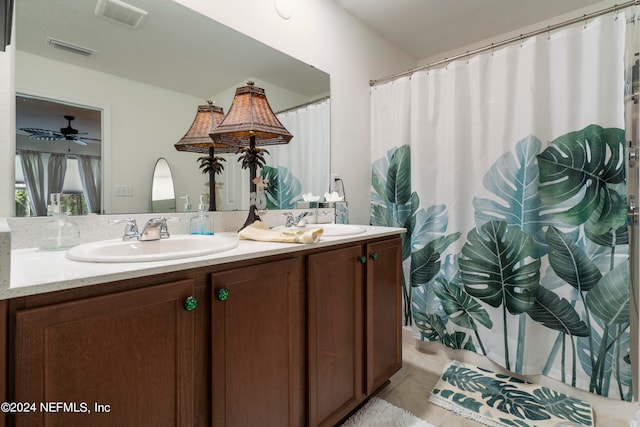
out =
column 462, row 309
column 398, row 186
column 570, row 262
column 582, row 167
column 609, row 299
column 283, row 189
column 514, row 181
column 557, row 313
column 392, row 202
column 425, row 262
column 495, row 267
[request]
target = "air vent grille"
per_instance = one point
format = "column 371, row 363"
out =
column 120, row 12
column 70, row 47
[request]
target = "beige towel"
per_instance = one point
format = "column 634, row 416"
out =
column 259, row 231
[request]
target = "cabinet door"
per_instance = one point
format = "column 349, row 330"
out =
column 258, row 354
column 335, row 330
column 383, row 312
column 130, row 352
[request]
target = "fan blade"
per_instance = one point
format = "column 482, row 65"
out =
column 39, row 137
column 41, row 131
column 79, row 141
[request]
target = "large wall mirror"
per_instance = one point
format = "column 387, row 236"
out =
column 146, row 83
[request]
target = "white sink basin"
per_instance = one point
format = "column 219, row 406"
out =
column 330, row 230
column 176, row 246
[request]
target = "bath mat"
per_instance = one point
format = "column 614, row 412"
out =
column 503, row 401
column 380, row 413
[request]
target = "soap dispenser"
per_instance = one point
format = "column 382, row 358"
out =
column 201, row 223
column 59, row 233
column 187, row 203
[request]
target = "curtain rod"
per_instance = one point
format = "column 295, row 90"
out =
column 521, row 37
column 306, row 104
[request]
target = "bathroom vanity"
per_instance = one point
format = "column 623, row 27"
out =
column 268, row 334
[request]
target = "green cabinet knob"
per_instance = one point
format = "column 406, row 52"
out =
column 362, row 259
column 374, row 256
column 223, row 294
column 190, row 303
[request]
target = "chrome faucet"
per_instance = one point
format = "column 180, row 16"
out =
column 298, row 221
column 155, row 229
column 130, row 229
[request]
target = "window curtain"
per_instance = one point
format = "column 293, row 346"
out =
column 34, row 173
column 507, row 168
column 305, row 159
column 56, row 170
column 91, row 178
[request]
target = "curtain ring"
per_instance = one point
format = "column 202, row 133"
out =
column 467, row 57
column 615, row 13
column 548, row 32
column 585, row 22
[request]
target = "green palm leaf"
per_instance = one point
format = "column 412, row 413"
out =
column 495, row 267
column 580, row 166
column 284, row 188
column 515, row 401
column 398, row 189
column 570, row 262
column 563, row 406
column 460, row 307
column 609, row 299
column 425, row 262
column 557, row 313
column 431, row 326
column 513, row 179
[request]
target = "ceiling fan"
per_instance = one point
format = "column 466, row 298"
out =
column 68, row 133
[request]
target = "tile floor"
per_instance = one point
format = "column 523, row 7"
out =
column 410, row 388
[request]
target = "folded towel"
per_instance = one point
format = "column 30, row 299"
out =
column 259, row 231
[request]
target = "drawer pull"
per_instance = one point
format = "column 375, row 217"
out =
column 374, row 256
column 223, row 294
column 362, row 259
column 190, row 303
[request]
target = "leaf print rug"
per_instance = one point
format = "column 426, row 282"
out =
column 500, row 400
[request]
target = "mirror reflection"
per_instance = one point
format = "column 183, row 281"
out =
column 147, row 82
column 163, row 196
column 56, row 154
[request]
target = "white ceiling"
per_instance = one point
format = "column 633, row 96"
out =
column 175, row 48
column 426, row 28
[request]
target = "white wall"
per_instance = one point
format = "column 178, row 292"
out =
column 325, row 36
column 7, row 129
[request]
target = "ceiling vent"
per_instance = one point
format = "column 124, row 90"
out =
column 121, row 12
column 70, row 47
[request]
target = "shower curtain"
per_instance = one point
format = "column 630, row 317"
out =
column 305, row 159
column 507, row 168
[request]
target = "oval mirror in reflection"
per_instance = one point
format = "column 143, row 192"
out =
column 163, row 195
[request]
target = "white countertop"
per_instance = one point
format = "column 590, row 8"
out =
column 34, row 271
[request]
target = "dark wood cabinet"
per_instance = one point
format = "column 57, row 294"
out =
column 335, row 330
column 383, row 308
column 119, row 359
column 258, row 347
column 354, row 328
column 294, row 339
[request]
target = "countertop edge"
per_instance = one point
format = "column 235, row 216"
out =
column 66, row 274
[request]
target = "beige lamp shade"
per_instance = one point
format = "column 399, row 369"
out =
column 250, row 115
column 197, row 139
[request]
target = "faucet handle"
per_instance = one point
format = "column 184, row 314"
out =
column 130, row 229
column 289, row 219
